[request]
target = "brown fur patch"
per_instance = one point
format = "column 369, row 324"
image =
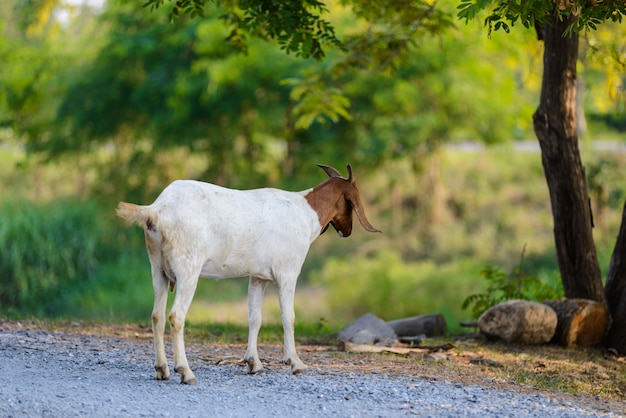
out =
column 150, row 225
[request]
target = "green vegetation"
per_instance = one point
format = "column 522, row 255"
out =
column 61, row 259
column 429, row 258
column 502, row 287
column 114, row 104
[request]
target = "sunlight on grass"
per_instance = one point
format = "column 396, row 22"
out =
column 310, row 305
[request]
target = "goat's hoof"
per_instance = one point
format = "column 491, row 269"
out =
column 297, row 367
column 186, row 375
column 162, row 372
column 298, row 370
column 191, row 381
column 253, row 366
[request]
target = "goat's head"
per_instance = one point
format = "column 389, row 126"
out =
column 348, row 199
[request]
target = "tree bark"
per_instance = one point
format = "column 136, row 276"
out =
column 556, row 129
column 615, row 292
column 581, row 322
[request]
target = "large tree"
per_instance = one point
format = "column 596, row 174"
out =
column 555, row 122
column 298, row 26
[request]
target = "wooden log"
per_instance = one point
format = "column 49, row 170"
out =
column 581, row 322
column 429, row 325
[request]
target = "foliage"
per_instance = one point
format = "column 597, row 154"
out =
column 58, row 260
column 315, row 101
column 47, row 252
column 296, row 25
column 502, row 287
column 537, row 12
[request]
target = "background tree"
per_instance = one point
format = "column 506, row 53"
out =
column 555, row 123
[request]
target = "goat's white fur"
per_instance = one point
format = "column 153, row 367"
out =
column 197, row 229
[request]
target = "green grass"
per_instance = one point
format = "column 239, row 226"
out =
column 306, row 333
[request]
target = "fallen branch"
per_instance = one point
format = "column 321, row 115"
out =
column 367, row 348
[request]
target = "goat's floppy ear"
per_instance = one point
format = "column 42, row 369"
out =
column 357, row 205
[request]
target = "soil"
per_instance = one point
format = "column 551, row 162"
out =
column 463, row 363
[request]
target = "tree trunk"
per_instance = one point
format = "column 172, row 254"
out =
column 581, row 322
column 615, row 292
column 555, row 127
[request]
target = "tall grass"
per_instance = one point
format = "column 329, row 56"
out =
column 60, row 260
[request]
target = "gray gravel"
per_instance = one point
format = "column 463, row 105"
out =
column 57, row 375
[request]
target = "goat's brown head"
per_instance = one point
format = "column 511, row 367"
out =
column 335, row 199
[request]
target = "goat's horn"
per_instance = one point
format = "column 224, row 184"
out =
column 350, row 179
column 330, row 171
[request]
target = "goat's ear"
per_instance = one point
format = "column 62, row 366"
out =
column 360, row 214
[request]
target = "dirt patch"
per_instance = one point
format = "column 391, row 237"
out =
column 583, row 376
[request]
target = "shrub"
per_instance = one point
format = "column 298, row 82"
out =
column 502, row 287
column 45, row 249
column 59, row 260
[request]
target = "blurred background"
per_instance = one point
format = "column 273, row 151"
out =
column 103, row 100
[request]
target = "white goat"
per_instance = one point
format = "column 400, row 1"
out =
column 199, row 229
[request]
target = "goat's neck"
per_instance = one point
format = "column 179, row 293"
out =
column 323, row 200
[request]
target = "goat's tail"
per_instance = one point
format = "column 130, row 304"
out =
column 141, row 215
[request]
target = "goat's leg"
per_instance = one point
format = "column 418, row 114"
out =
column 182, row 301
column 256, row 289
column 159, row 283
column 286, row 293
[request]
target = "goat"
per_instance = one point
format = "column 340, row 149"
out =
column 196, row 229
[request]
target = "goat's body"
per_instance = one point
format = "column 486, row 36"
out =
column 195, row 229
column 271, row 237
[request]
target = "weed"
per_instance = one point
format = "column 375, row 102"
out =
column 516, row 285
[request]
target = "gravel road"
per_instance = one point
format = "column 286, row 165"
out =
column 59, row 374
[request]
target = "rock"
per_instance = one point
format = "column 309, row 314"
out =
column 581, row 322
column 368, row 329
column 519, row 321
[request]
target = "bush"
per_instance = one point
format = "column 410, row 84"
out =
column 517, row 285
column 46, row 249
column 59, row 260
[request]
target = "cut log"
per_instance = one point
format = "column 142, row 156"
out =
column 429, row 325
column 519, row 321
column 581, row 322
column 368, row 329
